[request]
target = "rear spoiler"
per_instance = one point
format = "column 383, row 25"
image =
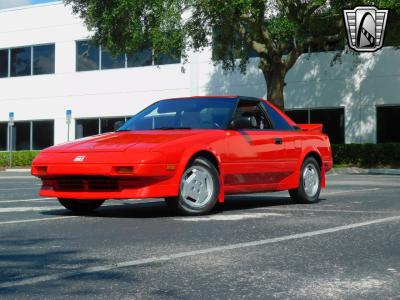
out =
column 317, row 128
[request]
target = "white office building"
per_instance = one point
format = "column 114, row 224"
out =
column 48, row 67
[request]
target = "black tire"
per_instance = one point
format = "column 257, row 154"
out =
column 182, row 205
column 80, row 206
column 300, row 195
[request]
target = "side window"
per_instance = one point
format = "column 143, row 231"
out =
column 252, row 110
column 279, row 122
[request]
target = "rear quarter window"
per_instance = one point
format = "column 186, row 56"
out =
column 278, row 122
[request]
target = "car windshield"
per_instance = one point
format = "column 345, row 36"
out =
column 196, row 113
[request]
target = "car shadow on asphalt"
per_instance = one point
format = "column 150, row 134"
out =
column 141, row 209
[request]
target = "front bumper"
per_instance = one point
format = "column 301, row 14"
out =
column 146, row 181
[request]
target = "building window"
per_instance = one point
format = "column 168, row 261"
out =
column 219, row 48
column 166, row 59
column 108, row 124
column 28, row 135
column 387, row 116
column 140, row 58
column 331, row 118
column 21, row 61
column 90, row 57
column 108, row 61
column 86, row 127
column 87, row 56
column 3, row 63
column 300, row 116
column 93, row 126
column 42, row 134
column 21, row 134
column 43, row 59
column 26, row 61
column 3, row 136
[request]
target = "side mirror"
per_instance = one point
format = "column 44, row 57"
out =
column 242, row 123
column 118, row 125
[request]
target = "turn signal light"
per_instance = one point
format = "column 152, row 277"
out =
column 171, row 167
column 124, row 170
column 41, row 170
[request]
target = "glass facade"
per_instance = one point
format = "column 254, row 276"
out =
column 28, row 135
column 140, row 58
column 108, row 124
column 26, row 61
column 42, row 134
column 300, row 116
column 3, row 63
column 22, row 135
column 90, row 57
column 165, row 59
column 21, row 61
column 3, row 136
column 331, row 118
column 387, row 117
column 108, row 61
column 43, row 59
column 87, row 56
column 93, row 126
column 86, row 127
column 217, row 46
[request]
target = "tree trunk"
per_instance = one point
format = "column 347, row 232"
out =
column 275, row 79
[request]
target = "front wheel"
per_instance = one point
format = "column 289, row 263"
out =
column 80, row 206
column 310, row 183
column 199, row 189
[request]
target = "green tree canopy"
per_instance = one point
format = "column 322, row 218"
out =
column 278, row 31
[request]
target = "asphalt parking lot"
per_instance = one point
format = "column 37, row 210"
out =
column 258, row 247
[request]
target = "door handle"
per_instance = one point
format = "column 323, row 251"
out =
column 278, row 141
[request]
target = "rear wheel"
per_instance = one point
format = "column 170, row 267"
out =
column 199, row 189
column 310, row 183
column 80, row 206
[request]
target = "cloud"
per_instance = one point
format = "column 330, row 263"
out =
column 13, row 3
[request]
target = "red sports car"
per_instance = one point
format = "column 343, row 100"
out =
column 192, row 152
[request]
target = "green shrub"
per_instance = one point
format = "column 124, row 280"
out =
column 367, row 155
column 19, row 158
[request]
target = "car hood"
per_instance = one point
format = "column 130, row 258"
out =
column 122, row 141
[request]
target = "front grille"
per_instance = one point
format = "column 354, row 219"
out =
column 86, row 184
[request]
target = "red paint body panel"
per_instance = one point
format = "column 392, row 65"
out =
column 248, row 161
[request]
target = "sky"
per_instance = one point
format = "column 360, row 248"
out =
column 16, row 3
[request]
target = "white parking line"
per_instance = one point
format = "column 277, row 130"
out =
column 18, row 182
column 36, row 220
column 18, row 189
column 351, row 191
column 24, row 209
column 17, row 177
column 230, row 217
column 169, row 257
column 26, row 200
column 327, row 210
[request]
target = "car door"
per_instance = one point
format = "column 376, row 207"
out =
column 254, row 153
column 291, row 140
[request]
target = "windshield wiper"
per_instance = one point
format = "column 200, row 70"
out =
column 170, row 128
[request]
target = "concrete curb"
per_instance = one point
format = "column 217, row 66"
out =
column 355, row 170
column 384, row 171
